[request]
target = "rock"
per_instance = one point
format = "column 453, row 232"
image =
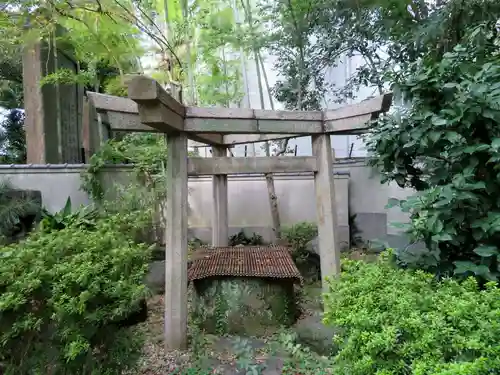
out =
column 312, row 246
column 155, row 278
column 33, row 195
column 416, row 247
column 31, row 213
column 269, row 303
column 413, row 253
column 313, row 333
column 158, row 253
column 309, row 262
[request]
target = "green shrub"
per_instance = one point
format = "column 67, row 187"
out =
column 299, row 235
column 83, row 217
column 395, row 321
column 60, row 294
column 241, row 238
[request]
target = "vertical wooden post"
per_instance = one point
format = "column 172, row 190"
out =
column 326, row 210
column 86, row 130
column 176, row 310
column 220, row 223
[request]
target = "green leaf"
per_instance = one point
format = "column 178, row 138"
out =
column 495, row 143
column 66, row 211
column 392, row 202
column 453, row 136
column 435, row 136
column 399, row 225
column 493, row 115
column 442, row 237
column 5, row 254
column 476, row 186
column 462, row 267
column 476, row 148
column 437, row 226
column 441, row 203
column 484, row 271
column 439, row 121
column 486, row 251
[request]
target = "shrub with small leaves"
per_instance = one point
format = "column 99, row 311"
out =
column 298, row 236
column 61, row 296
column 398, row 322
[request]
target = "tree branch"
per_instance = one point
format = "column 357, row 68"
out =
column 161, row 40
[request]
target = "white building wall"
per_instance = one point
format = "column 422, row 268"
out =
column 337, row 76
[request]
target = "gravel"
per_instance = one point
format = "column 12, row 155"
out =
column 156, row 360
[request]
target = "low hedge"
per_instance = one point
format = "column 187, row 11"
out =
column 396, row 322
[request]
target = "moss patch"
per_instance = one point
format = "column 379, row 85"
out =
column 244, row 306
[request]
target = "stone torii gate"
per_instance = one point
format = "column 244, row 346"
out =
column 222, row 128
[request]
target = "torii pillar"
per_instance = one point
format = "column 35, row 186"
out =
column 220, row 223
column 326, row 210
column 176, row 238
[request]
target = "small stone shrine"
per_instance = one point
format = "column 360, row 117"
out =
column 244, row 290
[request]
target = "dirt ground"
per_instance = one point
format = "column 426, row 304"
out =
column 156, row 360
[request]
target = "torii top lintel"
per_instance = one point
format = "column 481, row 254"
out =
column 160, row 112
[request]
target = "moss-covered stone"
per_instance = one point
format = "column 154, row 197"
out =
column 244, row 306
column 312, row 333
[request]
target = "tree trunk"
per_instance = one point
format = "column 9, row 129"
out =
column 273, row 201
column 271, row 191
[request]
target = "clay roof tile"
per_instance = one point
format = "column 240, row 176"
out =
column 249, row 261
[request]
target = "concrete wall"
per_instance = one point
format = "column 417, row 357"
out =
column 358, row 192
column 367, row 200
column 249, row 205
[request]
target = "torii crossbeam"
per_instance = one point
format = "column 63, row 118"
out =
column 151, row 108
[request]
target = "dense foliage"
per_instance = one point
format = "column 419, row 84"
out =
column 14, row 207
column 12, row 138
column 298, row 236
column 147, row 154
column 241, row 238
column 445, row 145
column 61, row 294
column 291, row 23
column 395, row 322
column 143, row 189
column 11, row 73
column 81, row 217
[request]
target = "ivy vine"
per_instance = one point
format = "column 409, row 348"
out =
column 146, row 153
